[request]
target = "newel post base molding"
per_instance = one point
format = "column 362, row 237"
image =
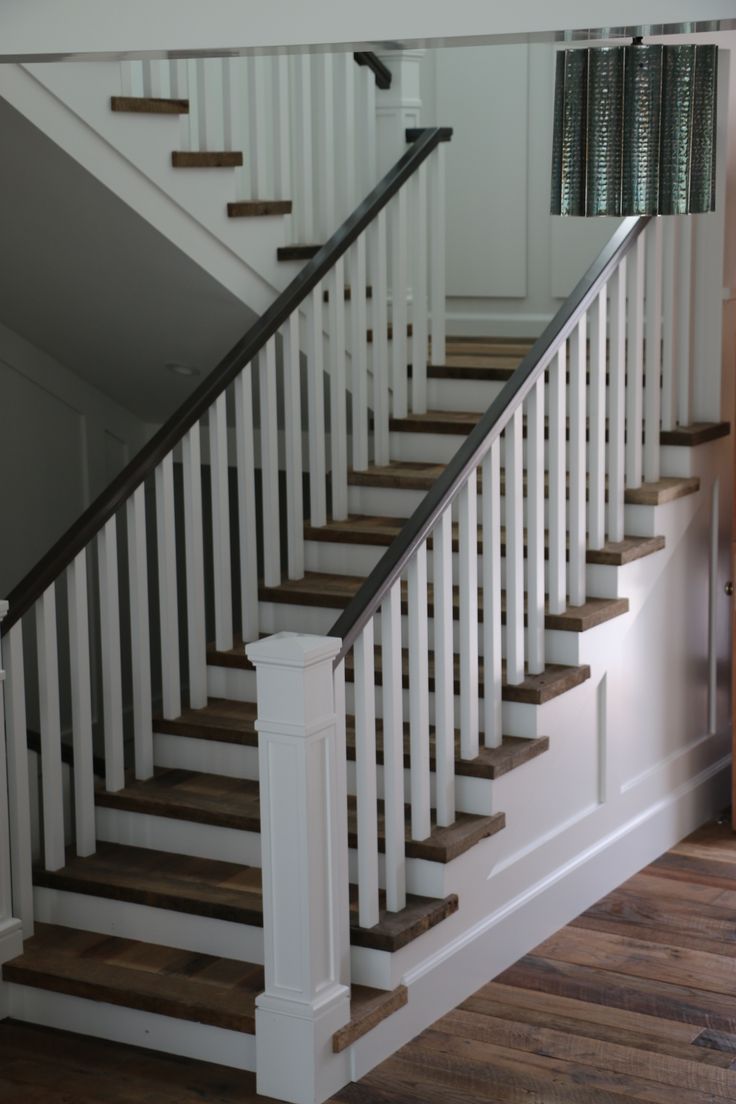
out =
column 304, row 862
column 397, row 107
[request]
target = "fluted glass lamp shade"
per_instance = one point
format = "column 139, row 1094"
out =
column 635, row 130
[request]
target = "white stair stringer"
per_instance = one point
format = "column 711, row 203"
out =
column 131, row 155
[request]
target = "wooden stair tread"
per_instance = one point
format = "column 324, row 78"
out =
column 231, row 722
column 420, row 476
column 221, row 890
column 190, row 795
column 257, row 208
column 463, row 422
column 348, row 293
column 382, row 531
column 149, row 105
column 336, row 591
column 234, row 803
column 556, row 679
column 368, row 1008
column 490, row 763
column 150, row 977
column 206, row 159
column 144, row 876
column 296, row 252
column 390, row 332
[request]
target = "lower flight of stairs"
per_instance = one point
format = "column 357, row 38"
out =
column 157, row 938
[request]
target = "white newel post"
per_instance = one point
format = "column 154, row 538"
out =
column 397, row 107
column 305, row 872
column 11, row 937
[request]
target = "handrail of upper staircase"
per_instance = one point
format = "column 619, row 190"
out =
column 380, row 71
column 368, row 599
column 78, row 536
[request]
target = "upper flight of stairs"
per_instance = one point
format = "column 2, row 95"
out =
column 165, row 920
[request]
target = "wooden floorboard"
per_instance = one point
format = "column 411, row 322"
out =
column 633, row 1001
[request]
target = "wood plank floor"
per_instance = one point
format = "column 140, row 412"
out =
column 633, row 1001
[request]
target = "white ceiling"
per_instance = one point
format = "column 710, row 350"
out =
column 91, row 283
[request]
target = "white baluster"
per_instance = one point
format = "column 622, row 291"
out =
column 260, row 137
column 81, row 686
column 492, row 645
column 293, row 440
column 653, row 351
column 270, row 466
column 316, row 410
column 232, row 105
column 195, row 97
column 221, row 524
column 345, row 78
column 338, row 393
column 365, row 775
column 535, row 527
column 578, row 467
column 160, row 79
column 303, row 153
column 616, row 401
column 684, row 320
column 6, row 825
column 140, row 639
column 50, row 720
column 246, row 504
column 444, row 674
column 597, row 423
column 437, row 251
column 325, row 113
column 194, row 546
column 393, row 749
column 468, row 575
column 282, row 127
column 514, row 496
column 558, row 482
column 167, row 590
column 418, row 695
column 635, row 365
column 365, row 126
column 669, row 320
column 112, row 676
column 126, row 78
column 359, row 354
column 380, row 340
column 399, row 246
column 419, row 317
column 180, row 91
column 19, row 803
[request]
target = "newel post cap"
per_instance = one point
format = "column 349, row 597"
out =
column 288, row 649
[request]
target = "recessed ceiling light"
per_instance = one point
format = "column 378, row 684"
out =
column 182, row 369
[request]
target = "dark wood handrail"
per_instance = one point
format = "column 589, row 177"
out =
column 78, row 536
column 380, row 71
column 367, row 600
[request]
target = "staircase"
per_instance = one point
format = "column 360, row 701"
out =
column 352, row 713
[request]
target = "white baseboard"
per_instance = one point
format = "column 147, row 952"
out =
column 129, row 1025
column 479, row 954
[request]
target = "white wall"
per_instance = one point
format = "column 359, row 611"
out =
column 510, row 263
column 61, row 442
column 55, row 28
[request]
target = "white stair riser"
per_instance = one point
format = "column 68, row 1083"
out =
column 360, row 559
column 461, row 394
column 180, row 837
column 229, row 682
column 131, row 1026
column 168, row 927
column 472, row 795
column 207, row 756
column 285, row 617
column 185, row 837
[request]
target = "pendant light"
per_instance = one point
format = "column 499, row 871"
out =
column 635, row 130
